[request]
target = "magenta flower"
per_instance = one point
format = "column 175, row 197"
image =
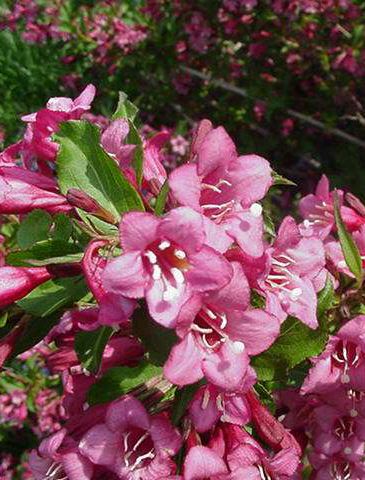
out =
column 224, row 187
column 21, row 191
column 131, row 443
column 114, row 309
column 57, row 457
column 232, row 454
column 336, row 430
column 218, row 333
column 318, row 211
column 339, row 466
column 294, row 271
column 165, row 260
column 113, row 141
column 211, row 405
column 342, row 362
column 45, row 122
column 16, row 282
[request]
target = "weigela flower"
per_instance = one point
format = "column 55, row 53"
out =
column 21, row 191
column 342, row 362
column 294, row 272
column 114, row 309
column 16, row 282
column 318, row 211
column 224, row 187
column 131, row 443
column 45, row 122
column 219, row 331
column 165, row 260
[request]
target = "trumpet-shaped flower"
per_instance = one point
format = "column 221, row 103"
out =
column 165, row 260
column 219, row 332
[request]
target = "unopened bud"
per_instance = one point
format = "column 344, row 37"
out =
column 79, row 199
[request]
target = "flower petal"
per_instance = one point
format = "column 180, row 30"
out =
column 183, row 365
column 125, row 276
column 202, row 462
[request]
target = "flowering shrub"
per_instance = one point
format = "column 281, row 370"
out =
column 193, row 338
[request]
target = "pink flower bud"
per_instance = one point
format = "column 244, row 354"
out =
column 16, row 282
column 80, row 199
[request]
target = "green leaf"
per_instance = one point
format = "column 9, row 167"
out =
column 183, row 396
column 47, row 252
column 35, row 330
column 90, row 346
column 62, row 227
column 326, row 298
column 53, row 295
column 280, row 180
column 296, row 343
column 3, row 319
column 162, row 198
column 348, row 246
column 125, row 108
column 83, row 164
column 156, row 339
column 34, row 227
column 118, row 381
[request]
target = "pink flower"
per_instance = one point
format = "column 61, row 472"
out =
column 318, row 211
column 294, row 271
column 210, row 405
column 16, row 282
column 131, row 443
column 218, row 333
column 232, row 454
column 224, row 187
column 21, row 191
column 165, row 260
column 342, row 362
column 42, row 124
column 114, row 309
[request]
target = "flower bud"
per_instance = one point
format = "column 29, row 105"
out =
column 16, row 282
column 79, row 199
column 268, row 427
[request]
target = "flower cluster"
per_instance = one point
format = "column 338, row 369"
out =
column 167, row 304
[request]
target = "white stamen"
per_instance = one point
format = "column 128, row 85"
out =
column 238, row 347
column 151, row 256
column 178, row 275
column 143, row 457
column 141, row 440
column 201, row 329
column 125, row 441
column 224, row 321
column 307, row 223
column 207, row 186
column 256, row 210
column 220, row 403
column 353, row 413
column 157, row 272
column 210, row 314
column 164, row 244
column 206, row 398
column 180, row 254
column 295, row 294
column 208, row 345
column 347, row 451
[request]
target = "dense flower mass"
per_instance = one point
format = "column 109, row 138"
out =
column 194, row 340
